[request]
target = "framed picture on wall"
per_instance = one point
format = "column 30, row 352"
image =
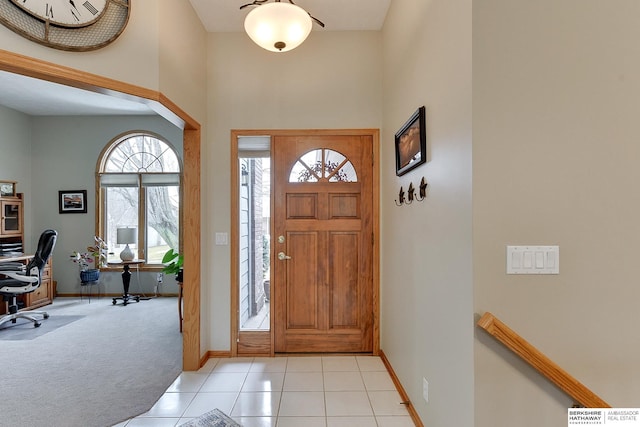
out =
column 411, row 143
column 7, row 188
column 72, row 201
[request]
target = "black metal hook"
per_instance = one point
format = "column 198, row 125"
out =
column 400, row 197
column 411, row 193
column 423, row 190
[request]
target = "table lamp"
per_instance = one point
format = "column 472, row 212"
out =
column 124, row 236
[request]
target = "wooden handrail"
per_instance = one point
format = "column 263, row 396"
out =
column 514, row 342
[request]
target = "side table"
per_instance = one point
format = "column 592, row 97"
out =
column 88, row 285
column 126, row 280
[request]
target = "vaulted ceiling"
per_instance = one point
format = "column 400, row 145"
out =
column 337, row 15
column 40, row 98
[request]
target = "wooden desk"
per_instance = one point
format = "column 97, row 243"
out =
column 16, row 258
column 43, row 295
column 126, row 280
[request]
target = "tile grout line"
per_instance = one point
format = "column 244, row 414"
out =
column 322, row 371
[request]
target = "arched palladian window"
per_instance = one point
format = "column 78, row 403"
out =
column 139, row 176
column 321, row 165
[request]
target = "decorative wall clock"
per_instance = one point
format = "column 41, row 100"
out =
column 74, row 25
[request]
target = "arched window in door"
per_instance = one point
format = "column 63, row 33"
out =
column 139, row 175
column 323, row 165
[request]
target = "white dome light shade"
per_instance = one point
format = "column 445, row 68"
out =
column 278, row 27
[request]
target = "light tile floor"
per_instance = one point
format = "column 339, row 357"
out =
column 327, row 391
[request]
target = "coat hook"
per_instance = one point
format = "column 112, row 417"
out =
column 400, row 197
column 411, row 193
column 423, row 189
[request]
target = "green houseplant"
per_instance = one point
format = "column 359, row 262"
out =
column 173, row 261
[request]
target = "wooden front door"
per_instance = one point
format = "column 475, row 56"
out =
column 323, row 243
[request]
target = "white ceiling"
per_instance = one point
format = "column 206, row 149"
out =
column 39, row 98
column 337, row 15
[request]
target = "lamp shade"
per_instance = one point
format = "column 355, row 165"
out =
column 126, row 235
column 278, row 27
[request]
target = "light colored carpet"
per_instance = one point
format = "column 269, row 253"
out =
column 110, row 365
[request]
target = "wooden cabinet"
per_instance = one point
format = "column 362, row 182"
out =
column 11, row 216
column 11, row 249
column 11, row 229
column 44, row 294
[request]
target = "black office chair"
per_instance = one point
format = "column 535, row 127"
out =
column 27, row 280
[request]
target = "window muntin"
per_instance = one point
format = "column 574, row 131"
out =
column 322, row 165
column 140, row 182
column 142, row 154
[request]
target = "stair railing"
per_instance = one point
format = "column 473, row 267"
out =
column 514, row 342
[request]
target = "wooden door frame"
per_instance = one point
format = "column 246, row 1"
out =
column 31, row 67
column 234, row 242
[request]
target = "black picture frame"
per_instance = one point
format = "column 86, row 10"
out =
column 72, row 201
column 411, row 143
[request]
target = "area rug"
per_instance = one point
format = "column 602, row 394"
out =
column 215, row 418
column 23, row 329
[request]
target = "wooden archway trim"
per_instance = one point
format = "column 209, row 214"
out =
column 31, row 67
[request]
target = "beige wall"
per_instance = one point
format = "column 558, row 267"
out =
column 321, row 84
column 427, row 321
column 555, row 137
column 162, row 49
column 132, row 58
column 182, row 44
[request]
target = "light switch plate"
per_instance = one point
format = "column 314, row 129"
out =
column 222, row 239
column 533, row 260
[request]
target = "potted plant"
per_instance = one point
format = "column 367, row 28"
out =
column 99, row 251
column 84, row 261
column 96, row 255
column 173, row 261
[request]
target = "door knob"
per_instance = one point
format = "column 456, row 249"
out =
column 282, row 256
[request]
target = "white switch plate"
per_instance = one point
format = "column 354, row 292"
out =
column 222, row 239
column 425, row 390
column 533, row 260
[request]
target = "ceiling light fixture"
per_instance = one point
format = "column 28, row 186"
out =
column 278, row 26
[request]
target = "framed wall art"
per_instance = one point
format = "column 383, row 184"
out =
column 7, row 188
column 411, row 143
column 72, row 201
